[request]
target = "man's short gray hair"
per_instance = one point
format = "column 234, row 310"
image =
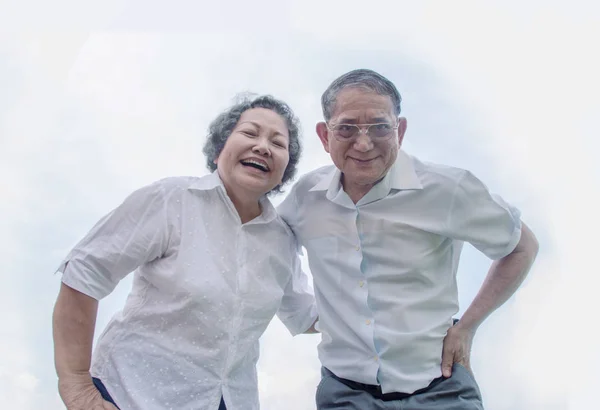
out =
column 222, row 126
column 361, row 78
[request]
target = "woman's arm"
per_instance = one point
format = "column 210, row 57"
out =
column 73, row 325
column 133, row 234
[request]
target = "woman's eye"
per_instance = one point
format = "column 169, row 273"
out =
column 279, row 144
column 249, row 133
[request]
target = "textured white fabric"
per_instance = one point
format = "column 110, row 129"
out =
column 205, row 288
column 384, row 270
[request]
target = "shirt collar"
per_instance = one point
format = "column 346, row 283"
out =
column 213, row 181
column 329, row 181
column 402, row 175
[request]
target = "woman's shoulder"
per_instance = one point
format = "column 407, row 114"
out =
column 175, row 186
column 172, row 183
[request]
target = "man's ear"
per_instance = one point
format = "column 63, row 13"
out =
column 323, row 133
column 402, row 124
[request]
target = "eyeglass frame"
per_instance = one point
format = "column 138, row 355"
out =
column 360, row 130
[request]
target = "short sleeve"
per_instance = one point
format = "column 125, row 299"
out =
column 298, row 310
column 134, row 233
column 484, row 220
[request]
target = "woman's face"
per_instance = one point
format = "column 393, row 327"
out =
column 255, row 155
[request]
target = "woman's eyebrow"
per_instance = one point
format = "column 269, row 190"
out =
column 257, row 125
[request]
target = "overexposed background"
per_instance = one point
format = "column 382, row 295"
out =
column 98, row 99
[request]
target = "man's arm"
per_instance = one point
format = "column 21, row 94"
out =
column 298, row 309
column 312, row 329
column 503, row 279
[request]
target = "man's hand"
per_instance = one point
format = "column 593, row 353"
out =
column 79, row 393
column 457, row 348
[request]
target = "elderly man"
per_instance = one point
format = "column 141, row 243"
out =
column 384, row 232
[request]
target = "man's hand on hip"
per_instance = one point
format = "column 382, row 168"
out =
column 457, row 348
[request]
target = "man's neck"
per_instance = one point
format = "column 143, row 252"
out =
column 357, row 192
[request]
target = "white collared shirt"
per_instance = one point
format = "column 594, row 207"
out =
column 384, row 270
column 205, row 288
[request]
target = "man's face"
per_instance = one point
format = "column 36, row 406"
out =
column 363, row 159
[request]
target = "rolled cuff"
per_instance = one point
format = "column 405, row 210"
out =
column 512, row 244
column 77, row 277
column 301, row 321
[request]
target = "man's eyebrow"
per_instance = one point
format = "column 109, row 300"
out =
column 378, row 120
column 346, row 120
column 350, row 120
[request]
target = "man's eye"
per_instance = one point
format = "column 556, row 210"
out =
column 383, row 127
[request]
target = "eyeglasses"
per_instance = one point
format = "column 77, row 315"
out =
column 346, row 132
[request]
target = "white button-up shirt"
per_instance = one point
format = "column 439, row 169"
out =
column 384, row 270
column 205, row 288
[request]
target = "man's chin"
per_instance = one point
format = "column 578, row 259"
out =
column 362, row 177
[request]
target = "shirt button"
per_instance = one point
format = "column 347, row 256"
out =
column 376, row 358
column 357, row 247
column 361, row 283
column 368, row 322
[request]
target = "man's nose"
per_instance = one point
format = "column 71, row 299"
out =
column 363, row 142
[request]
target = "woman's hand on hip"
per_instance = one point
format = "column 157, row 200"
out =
column 78, row 392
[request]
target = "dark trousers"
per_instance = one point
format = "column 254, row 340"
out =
column 100, row 386
column 458, row 392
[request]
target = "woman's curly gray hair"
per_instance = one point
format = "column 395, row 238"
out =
column 222, row 126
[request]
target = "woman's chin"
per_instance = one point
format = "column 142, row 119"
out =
column 257, row 182
column 254, row 186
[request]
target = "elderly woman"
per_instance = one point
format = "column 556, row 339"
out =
column 213, row 264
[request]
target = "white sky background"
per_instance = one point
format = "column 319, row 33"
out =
column 96, row 101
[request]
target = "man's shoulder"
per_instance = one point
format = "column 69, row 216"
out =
column 307, row 181
column 434, row 174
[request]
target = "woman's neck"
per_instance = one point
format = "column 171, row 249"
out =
column 247, row 208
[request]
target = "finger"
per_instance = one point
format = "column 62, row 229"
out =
column 109, row 406
column 447, row 361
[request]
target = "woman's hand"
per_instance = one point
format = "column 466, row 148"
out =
column 79, row 393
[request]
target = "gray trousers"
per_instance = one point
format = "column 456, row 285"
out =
column 459, row 392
